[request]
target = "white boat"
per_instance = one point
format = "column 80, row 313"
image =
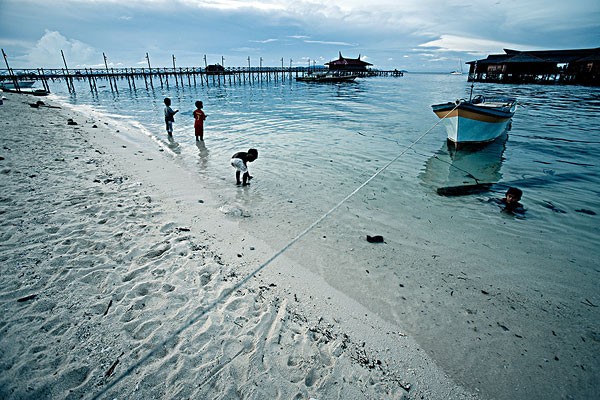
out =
column 476, row 121
column 459, row 71
column 12, row 86
column 327, row 77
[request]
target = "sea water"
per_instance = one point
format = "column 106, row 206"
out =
column 452, row 270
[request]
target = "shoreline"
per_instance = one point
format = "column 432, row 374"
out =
column 118, row 252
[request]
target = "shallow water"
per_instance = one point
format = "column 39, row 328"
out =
column 318, row 143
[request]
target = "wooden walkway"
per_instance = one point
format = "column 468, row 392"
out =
column 192, row 76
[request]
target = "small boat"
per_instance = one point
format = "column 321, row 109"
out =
column 327, row 77
column 459, row 71
column 22, row 85
column 31, row 91
column 476, row 121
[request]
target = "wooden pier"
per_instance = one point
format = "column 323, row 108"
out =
column 119, row 78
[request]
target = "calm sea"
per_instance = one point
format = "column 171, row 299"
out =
column 318, row 142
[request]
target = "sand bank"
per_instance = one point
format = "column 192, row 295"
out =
column 118, row 281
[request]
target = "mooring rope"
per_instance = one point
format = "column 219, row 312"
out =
column 226, row 293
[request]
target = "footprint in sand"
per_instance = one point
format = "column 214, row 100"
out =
column 73, row 378
column 205, row 278
column 146, row 329
column 167, row 288
column 158, row 251
column 310, row 378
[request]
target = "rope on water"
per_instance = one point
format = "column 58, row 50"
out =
column 226, row 293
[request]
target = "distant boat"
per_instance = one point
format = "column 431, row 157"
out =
column 32, row 91
column 477, row 121
column 22, row 85
column 459, row 71
column 326, row 77
column 25, row 87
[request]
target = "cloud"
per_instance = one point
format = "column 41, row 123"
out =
column 330, row 43
column 47, row 52
column 14, row 43
column 474, row 46
column 232, row 5
column 384, row 30
column 265, row 41
column 246, row 50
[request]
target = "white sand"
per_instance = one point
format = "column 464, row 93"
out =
column 117, row 283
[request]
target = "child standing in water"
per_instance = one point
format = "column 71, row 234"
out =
column 169, row 116
column 239, row 162
column 199, row 118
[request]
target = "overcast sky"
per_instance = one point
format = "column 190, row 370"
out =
column 416, row 35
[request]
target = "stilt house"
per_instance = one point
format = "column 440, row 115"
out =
column 348, row 65
column 577, row 67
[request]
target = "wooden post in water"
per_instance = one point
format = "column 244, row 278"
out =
column 40, row 73
column 128, row 75
column 115, row 77
column 133, row 78
column 107, row 72
column 249, row 71
column 70, row 85
column 92, row 81
column 150, row 68
column 145, row 79
column 89, row 76
column 205, row 73
column 44, row 80
column 175, row 73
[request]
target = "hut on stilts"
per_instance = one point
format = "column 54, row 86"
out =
column 565, row 67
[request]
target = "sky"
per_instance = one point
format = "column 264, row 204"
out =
column 412, row 35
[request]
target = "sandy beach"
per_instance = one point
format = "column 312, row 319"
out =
column 119, row 282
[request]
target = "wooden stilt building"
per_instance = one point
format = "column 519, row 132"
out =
column 348, row 65
column 565, row 67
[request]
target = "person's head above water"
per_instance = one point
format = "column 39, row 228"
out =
column 513, row 195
